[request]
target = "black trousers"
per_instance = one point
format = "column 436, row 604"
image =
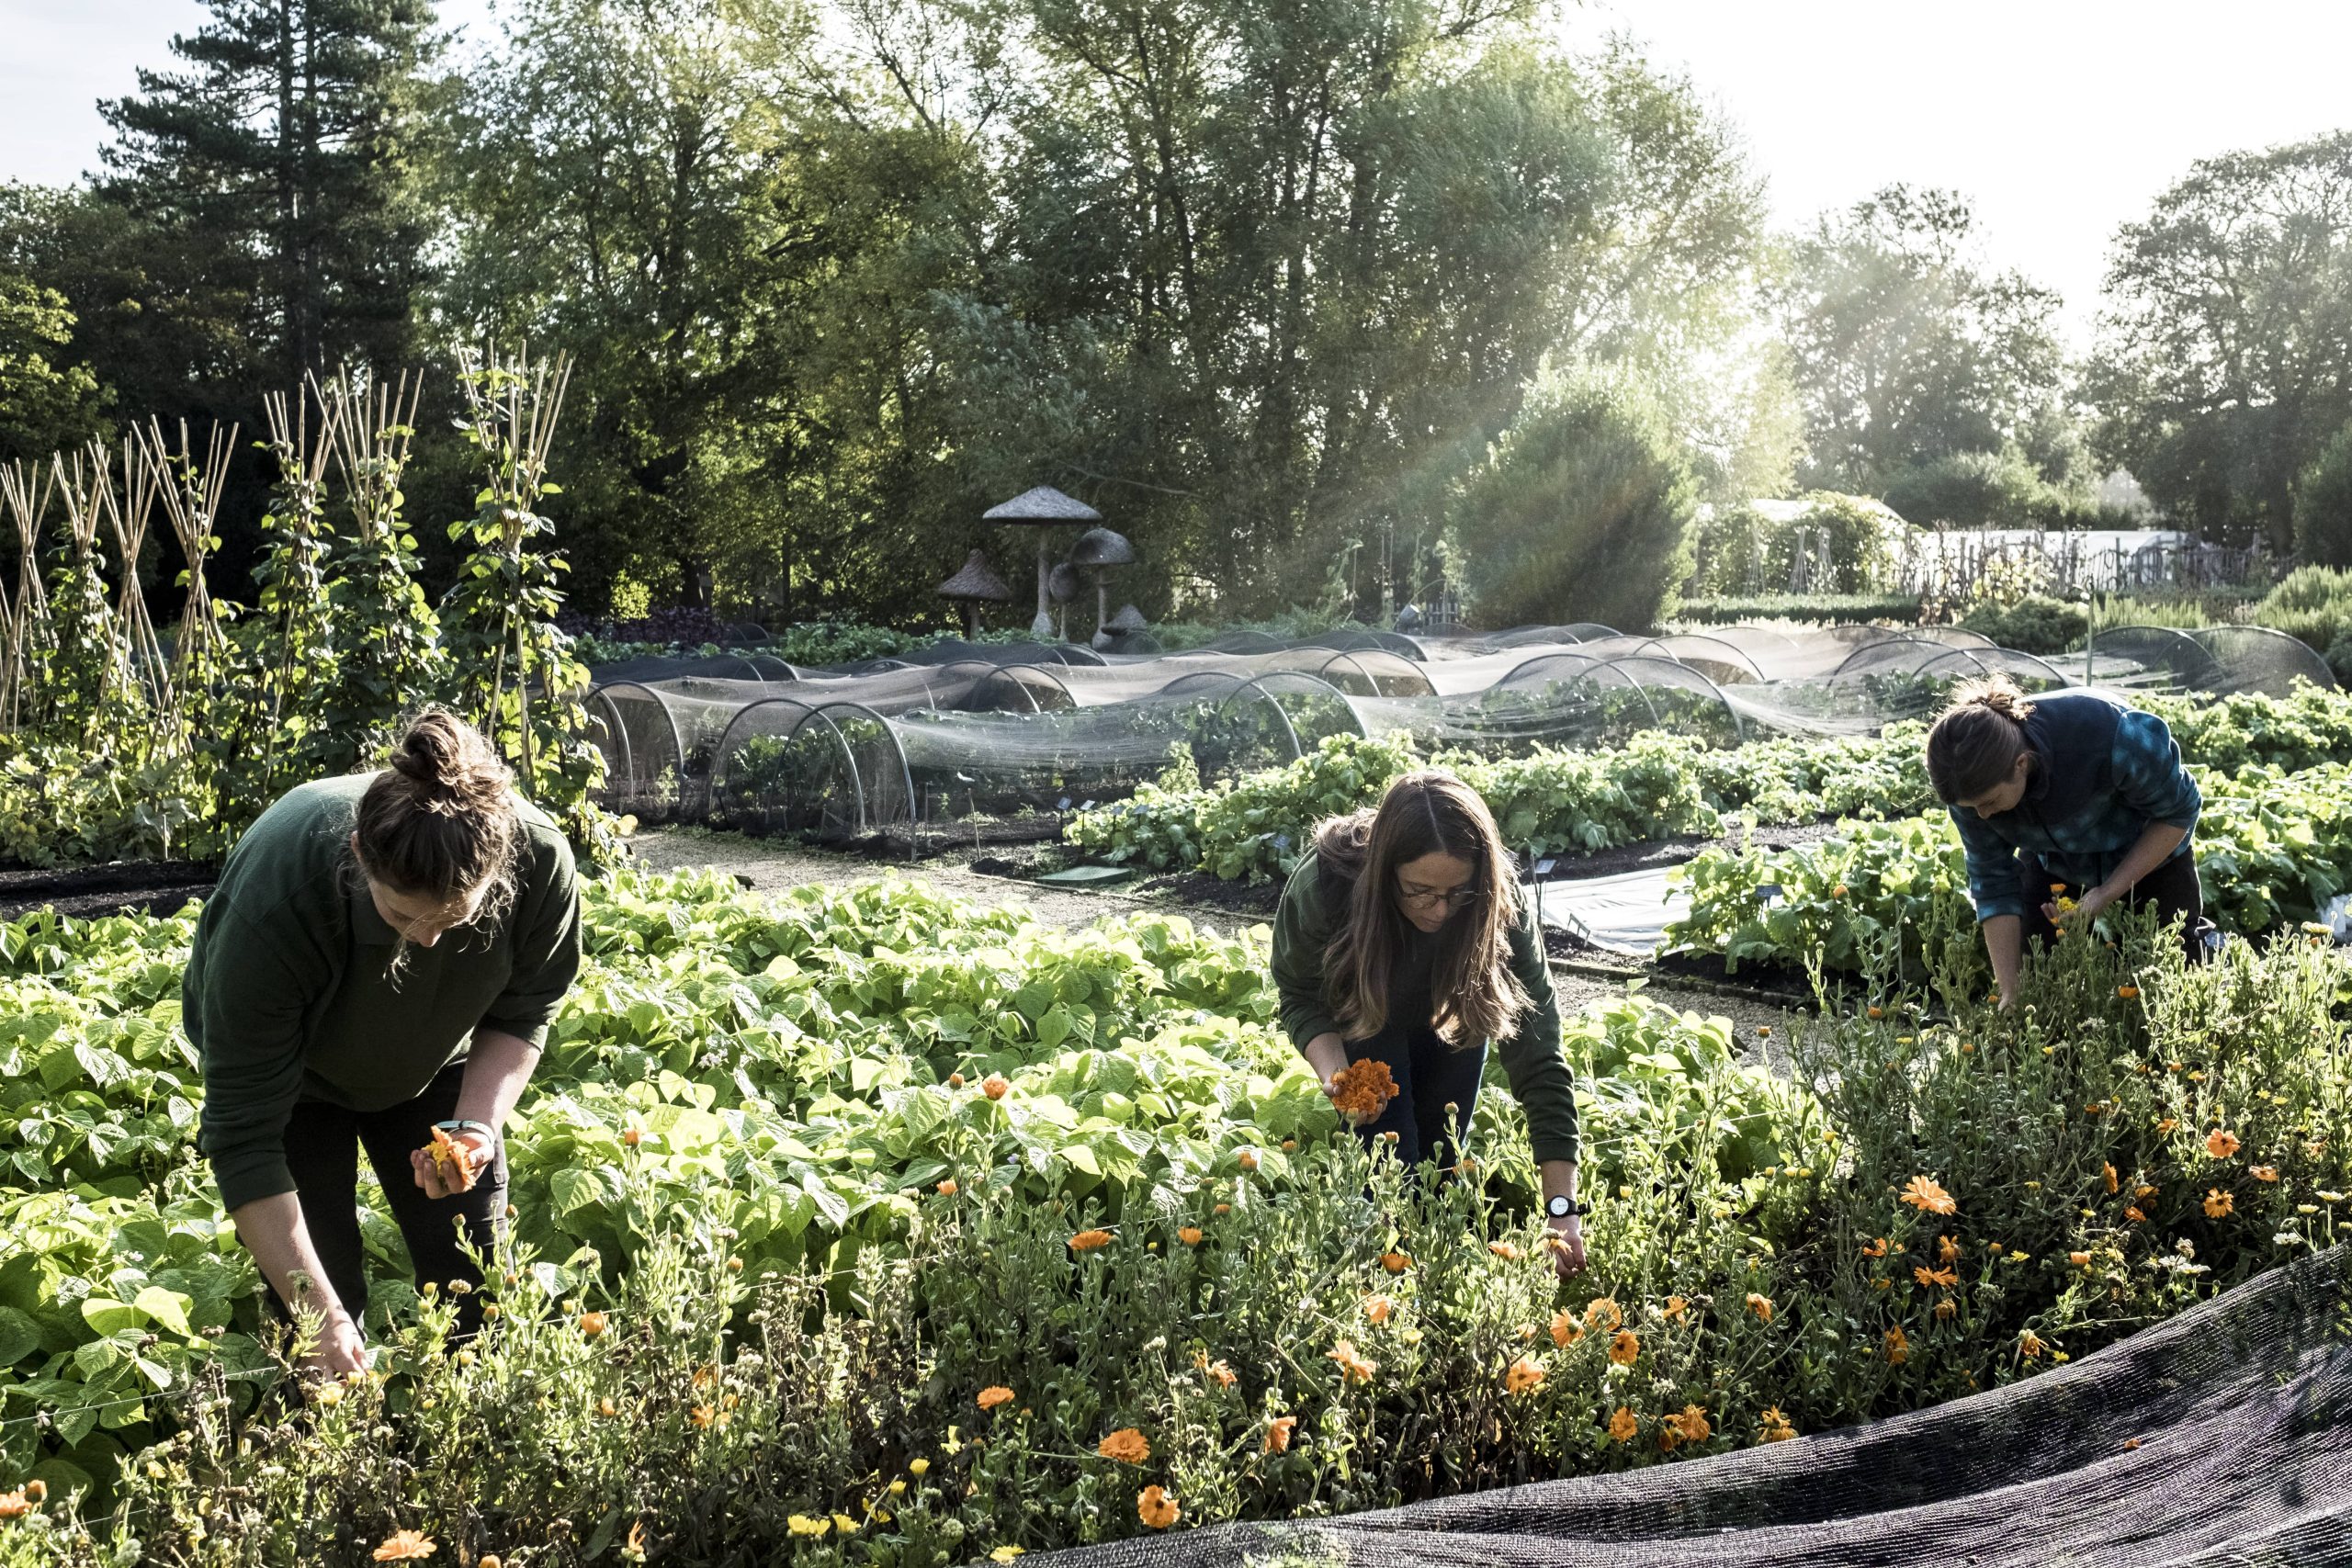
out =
column 1431, row 1074
column 2172, row 888
column 323, row 1143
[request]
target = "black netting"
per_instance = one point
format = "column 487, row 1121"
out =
column 2224, row 1436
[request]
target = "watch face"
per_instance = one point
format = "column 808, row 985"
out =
column 1560, row 1208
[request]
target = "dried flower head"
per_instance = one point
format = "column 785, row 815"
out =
column 1278, row 1431
column 1623, row 1426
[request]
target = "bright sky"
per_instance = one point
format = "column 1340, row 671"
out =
column 2060, row 118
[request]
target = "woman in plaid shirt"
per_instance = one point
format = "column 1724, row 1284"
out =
column 2064, row 804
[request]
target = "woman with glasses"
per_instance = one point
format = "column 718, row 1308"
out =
column 1402, row 938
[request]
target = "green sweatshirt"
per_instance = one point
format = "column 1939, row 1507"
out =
column 1532, row 1059
column 288, row 995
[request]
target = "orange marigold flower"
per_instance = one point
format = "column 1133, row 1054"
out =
column 2127, row 992
column 994, row 1395
column 2112, row 1183
column 2263, row 1172
column 1378, row 1309
column 1874, row 1247
column 2219, row 1205
column 1523, row 1376
column 405, row 1546
column 1156, row 1508
column 2133, row 1212
column 1247, row 1159
column 1222, row 1209
column 606, row 1407
column 1504, row 1250
column 1222, row 1373
column 1278, row 1431
column 1673, row 1310
column 2030, row 1344
column 1944, row 1277
column 1363, row 1091
column 1394, row 1262
column 1924, row 1193
column 631, row 1138
column 1878, row 1012
column 1189, row 1234
column 1760, row 1305
column 994, row 1085
column 1126, row 1445
column 1352, row 1367
column 1625, row 1347
column 703, row 1415
column 954, row 1080
column 1947, row 1250
column 592, row 1323
column 1088, row 1240
column 1946, row 1310
column 1623, row 1426
column 2221, row 1142
column 1775, row 1426
column 1691, row 1424
column 13, row 1505
column 2143, row 1191
column 948, row 1188
column 453, row 1159
column 1603, row 1313
column 1565, row 1331
column 1898, row 1346
column 2079, row 1259
column 2167, row 1124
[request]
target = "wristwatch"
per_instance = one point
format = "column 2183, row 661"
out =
column 468, row 1125
column 1560, row 1208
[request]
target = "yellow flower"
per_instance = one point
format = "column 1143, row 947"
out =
column 1006, row 1554
column 845, row 1524
column 1776, row 1427
column 801, row 1524
column 919, row 1468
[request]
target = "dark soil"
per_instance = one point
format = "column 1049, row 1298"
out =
column 933, row 841
column 117, row 887
column 1202, row 890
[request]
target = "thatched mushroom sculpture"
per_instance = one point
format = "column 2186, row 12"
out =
column 1042, row 508
column 1100, row 550
column 975, row 585
column 1062, row 585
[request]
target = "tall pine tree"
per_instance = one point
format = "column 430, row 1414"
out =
column 283, row 154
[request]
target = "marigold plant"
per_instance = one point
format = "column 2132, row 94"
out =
column 1127, row 1445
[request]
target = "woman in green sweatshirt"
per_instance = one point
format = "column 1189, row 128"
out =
column 381, row 960
column 1403, row 939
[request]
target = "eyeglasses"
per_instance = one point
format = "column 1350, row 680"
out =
column 1430, row 899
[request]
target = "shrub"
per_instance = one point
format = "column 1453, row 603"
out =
column 2035, row 624
column 2312, row 603
column 1822, row 609
column 1741, row 550
column 2323, row 505
column 1578, row 512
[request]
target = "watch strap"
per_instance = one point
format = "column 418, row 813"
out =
column 468, row 1125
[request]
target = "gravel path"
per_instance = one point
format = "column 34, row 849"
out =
column 769, row 865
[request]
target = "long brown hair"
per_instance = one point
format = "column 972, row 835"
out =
column 440, row 821
column 1475, row 994
column 1976, row 742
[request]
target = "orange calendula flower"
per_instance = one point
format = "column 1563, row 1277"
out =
column 2079, row 1259
column 1676, row 1307
column 954, row 1080
column 1946, row 1310
column 452, row 1160
column 2030, row 1344
column 1223, row 1208
column 1603, row 1313
column 1088, row 1240
column 1692, row 1424
column 1623, row 1426
column 2221, row 1142
column 1625, row 1347
column 593, row 1323
column 2219, row 1205
column 1924, row 1193
column 994, row 1395
column 2143, row 1191
column 405, row 1546
column 1247, row 1159
column 1189, row 1234
column 1760, row 1305
column 1363, row 1091
column 1874, row 1247
column 1156, row 1508
column 2263, row 1172
column 1947, row 1250
column 1504, row 1250
column 1352, row 1366
column 1944, row 1277
column 703, row 1415
column 1877, row 1012
column 2127, row 992
column 1222, row 1373
column 1278, row 1431
column 1378, row 1309
column 948, row 1188
column 2113, row 1184
column 1522, row 1377
column 2167, row 1124
column 1773, row 1426
column 15, row 1505
column 1565, row 1331
column 2133, row 1212
column 631, row 1138
column 1126, row 1445
column 1394, row 1262
column 1898, row 1346
column 994, row 1085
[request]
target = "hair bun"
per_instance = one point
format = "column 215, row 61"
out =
column 450, row 769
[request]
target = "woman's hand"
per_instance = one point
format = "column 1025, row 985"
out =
column 1327, row 1055
column 341, row 1349
column 437, row 1182
column 1567, row 1245
column 2084, row 910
